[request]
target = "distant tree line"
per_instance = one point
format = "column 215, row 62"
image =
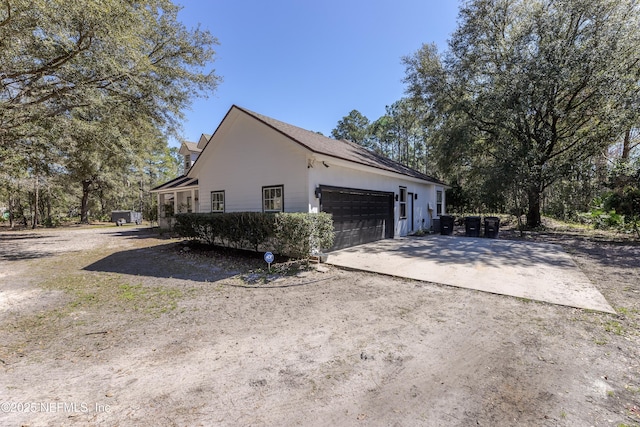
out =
column 533, row 109
column 90, row 93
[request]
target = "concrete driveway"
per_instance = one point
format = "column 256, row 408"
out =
column 536, row 271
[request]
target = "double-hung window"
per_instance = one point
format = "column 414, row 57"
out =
column 217, row 201
column 273, row 198
column 439, row 202
column 403, row 202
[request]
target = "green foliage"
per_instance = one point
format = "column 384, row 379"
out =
column 401, row 134
column 528, row 89
column 618, row 208
column 458, row 199
column 58, row 55
column 600, row 218
column 90, row 92
column 300, row 234
column 293, row 234
column 354, row 127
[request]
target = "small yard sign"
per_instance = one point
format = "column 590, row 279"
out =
column 268, row 257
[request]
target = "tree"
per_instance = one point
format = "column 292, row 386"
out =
column 536, row 86
column 108, row 79
column 402, row 135
column 57, row 55
column 353, row 127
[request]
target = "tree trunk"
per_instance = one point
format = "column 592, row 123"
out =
column 49, row 202
column 84, row 207
column 12, row 204
column 626, row 145
column 534, row 219
column 36, row 201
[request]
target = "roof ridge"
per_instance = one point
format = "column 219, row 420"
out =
column 321, row 144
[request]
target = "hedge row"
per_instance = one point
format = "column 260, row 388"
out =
column 297, row 235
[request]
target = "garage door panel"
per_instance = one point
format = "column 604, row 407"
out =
column 359, row 216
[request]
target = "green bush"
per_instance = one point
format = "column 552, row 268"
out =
column 600, row 218
column 300, row 234
column 296, row 235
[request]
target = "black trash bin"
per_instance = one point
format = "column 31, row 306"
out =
column 446, row 225
column 472, row 226
column 491, row 227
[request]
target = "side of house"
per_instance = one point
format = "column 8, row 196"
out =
column 256, row 163
column 247, row 166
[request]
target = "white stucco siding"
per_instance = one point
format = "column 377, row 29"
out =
column 339, row 175
column 246, row 157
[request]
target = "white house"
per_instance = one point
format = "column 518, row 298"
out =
column 256, row 163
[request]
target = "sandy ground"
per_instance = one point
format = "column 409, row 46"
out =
column 120, row 326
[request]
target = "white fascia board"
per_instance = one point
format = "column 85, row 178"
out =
column 319, row 158
column 174, row 190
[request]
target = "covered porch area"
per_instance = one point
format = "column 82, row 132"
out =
column 178, row 196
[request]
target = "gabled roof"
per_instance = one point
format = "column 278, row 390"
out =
column 192, row 146
column 182, row 181
column 188, row 147
column 204, row 139
column 341, row 149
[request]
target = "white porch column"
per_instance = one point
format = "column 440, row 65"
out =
column 193, row 200
column 175, row 203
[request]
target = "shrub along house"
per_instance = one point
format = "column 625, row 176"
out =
column 256, row 163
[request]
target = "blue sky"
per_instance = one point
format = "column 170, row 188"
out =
column 309, row 63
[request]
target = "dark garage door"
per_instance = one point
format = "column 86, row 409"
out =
column 359, row 216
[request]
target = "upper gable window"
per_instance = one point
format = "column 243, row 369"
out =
column 187, row 162
column 273, row 198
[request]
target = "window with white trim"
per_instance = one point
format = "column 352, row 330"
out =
column 403, row 202
column 217, row 201
column 273, row 198
column 439, row 202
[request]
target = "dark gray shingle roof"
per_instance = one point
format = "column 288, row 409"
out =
column 341, row 149
column 181, row 181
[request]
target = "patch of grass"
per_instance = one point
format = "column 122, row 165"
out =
column 600, row 341
column 632, row 389
column 98, row 293
column 130, row 292
column 89, row 298
column 622, row 310
column 614, row 327
column 102, row 291
column 155, row 301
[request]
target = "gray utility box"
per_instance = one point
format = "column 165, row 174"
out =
column 126, row 217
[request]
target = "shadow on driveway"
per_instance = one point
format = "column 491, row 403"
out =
column 450, row 250
column 537, row 271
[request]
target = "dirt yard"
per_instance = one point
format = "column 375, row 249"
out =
column 119, row 326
